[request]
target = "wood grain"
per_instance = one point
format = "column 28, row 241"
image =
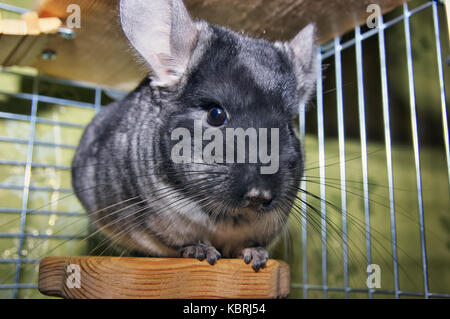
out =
column 168, row 278
column 22, row 41
column 8, row 43
column 100, row 54
column 32, row 21
column 30, row 24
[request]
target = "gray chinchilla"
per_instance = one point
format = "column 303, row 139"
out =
column 124, row 173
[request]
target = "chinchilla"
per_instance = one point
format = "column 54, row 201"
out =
column 124, row 173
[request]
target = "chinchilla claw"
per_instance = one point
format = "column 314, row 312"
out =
column 258, row 256
column 200, row 251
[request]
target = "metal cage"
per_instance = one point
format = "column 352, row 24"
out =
column 34, row 173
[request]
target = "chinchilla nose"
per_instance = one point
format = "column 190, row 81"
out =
column 257, row 197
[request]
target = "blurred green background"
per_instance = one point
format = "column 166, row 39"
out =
column 434, row 172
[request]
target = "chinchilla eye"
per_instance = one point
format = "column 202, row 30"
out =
column 217, row 116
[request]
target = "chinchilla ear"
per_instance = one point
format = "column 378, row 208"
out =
column 163, row 33
column 305, row 60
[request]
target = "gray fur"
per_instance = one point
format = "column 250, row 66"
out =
column 121, row 156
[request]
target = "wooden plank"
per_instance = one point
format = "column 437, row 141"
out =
column 32, row 21
column 13, row 26
column 29, row 24
column 23, row 41
column 49, row 25
column 168, row 278
column 100, row 54
column 8, row 43
column 282, row 19
column 33, row 52
column 21, row 50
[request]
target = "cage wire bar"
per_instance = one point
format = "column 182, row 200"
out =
column 441, row 85
column 27, row 187
column 333, row 48
column 388, row 143
column 414, row 129
column 363, row 138
column 341, row 136
column 34, row 99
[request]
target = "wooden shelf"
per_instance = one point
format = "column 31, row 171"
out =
column 23, row 40
column 100, row 53
column 168, row 278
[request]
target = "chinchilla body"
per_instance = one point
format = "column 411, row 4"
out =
column 124, row 172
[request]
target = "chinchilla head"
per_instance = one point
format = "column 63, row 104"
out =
column 224, row 135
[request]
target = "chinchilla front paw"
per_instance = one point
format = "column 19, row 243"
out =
column 257, row 255
column 201, row 252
